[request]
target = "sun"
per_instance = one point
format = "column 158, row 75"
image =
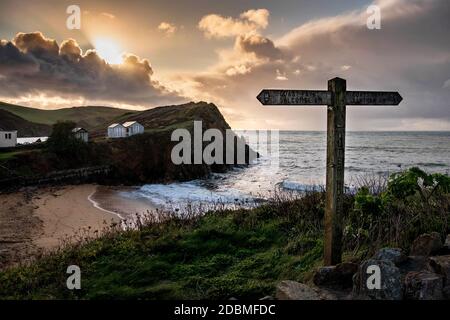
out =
column 109, row 50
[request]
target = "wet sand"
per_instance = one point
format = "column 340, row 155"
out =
column 112, row 199
column 66, row 211
column 39, row 219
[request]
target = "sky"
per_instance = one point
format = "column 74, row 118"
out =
column 142, row 54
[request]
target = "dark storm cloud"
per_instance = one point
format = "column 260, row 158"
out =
column 261, row 46
column 32, row 63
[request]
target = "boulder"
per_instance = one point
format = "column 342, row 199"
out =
column 441, row 265
column 426, row 244
column 338, row 277
column 292, row 290
column 423, row 285
column 394, row 255
column 391, row 285
column 446, row 292
column 413, row 263
column 446, row 247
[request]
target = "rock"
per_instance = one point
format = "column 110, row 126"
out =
column 391, row 285
column 446, row 247
column 441, row 265
column 267, row 298
column 391, row 254
column 446, row 292
column 423, row 285
column 328, row 294
column 292, row 290
column 426, row 244
column 339, row 276
column 413, row 263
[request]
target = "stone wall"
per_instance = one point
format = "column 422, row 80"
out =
column 72, row 176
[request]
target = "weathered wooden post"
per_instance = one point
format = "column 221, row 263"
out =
column 336, row 98
column 335, row 172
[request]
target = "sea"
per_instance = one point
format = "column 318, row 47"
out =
column 301, row 166
column 31, row 140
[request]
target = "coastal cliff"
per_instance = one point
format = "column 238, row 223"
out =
column 138, row 159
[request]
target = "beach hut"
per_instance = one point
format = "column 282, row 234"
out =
column 116, row 130
column 8, row 138
column 81, row 134
column 133, row 128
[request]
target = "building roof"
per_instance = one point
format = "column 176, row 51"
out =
column 114, row 125
column 129, row 123
column 75, row 130
column 4, row 130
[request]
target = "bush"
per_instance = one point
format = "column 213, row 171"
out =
column 413, row 202
column 64, row 145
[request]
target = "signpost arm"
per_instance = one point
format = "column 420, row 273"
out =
column 335, row 172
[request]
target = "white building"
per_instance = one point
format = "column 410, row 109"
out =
column 127, row 129
column 116, row 130
column 81, row 134
column 133, row 127
column 8, row 138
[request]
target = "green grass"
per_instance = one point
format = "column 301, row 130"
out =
column 239, row 254
column 11, row 154
column 89, row 117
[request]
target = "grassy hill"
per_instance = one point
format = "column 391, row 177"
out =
column 170, row 118
column 88, row 117
column 10, row 121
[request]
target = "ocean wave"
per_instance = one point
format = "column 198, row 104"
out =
column 300, row 187
column 181, row 195
column 431, row 164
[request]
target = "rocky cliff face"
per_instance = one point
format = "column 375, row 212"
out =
column 147, row 157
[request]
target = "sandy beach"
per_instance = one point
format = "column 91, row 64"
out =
column 38, row 219
column 66, row 211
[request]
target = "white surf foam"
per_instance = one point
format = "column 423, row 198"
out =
column 180, row 195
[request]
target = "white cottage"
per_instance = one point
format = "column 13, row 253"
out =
column 133, row 127
column 8, row 138
column 116, row 130
column 81, row 134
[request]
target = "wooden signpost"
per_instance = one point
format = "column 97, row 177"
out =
column 336, row 98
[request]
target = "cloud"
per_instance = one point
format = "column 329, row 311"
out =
column 108, row 15
column 410, row 54
column 447, row 84
column 258, row 45
column 32, row 64
column 249, row 22
column 168, row 28
column 259, row 16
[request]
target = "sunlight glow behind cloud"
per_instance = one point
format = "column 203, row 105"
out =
column 109, row 50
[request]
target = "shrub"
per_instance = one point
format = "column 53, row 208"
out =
column 67, row 148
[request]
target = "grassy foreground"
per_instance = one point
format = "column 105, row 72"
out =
column 242, row 253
